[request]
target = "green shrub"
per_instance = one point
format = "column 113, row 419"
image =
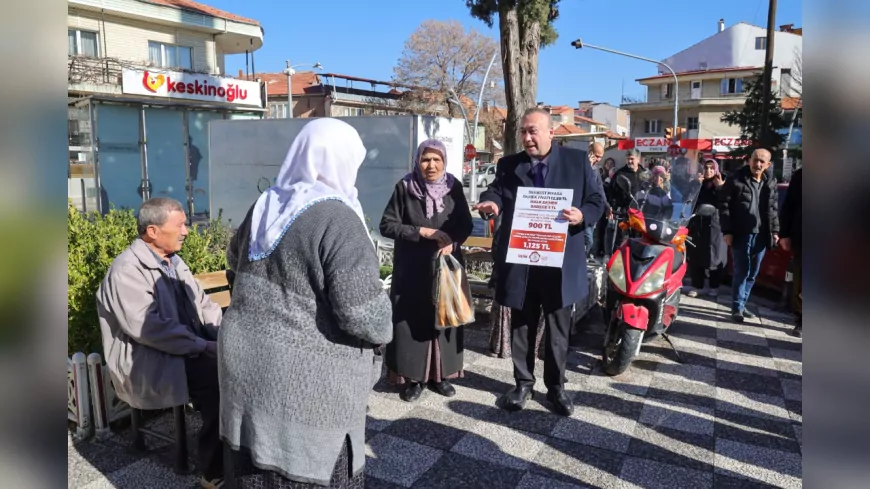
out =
column 95, row 240
column 386, row 271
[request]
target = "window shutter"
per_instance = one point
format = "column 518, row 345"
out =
column 724, row 87
column 739, row 86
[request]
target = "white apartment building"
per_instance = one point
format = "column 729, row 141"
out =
column 712, row 75
column 144, row 79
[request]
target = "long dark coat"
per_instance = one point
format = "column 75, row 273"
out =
column 413, row 277
column 568, row 168
column 710, row 250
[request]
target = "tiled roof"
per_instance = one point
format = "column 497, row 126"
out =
column 701, row 72
column 561, row 109
column 580, row 118
column 203, row 9
column 303, row 81
column 790, row 103
column 566, row 129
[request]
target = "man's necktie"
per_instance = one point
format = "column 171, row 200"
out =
column 538, row 174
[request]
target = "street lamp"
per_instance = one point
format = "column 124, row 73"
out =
column 456, row 101
column 580, row 44
column 289, row 71
column 474, row 138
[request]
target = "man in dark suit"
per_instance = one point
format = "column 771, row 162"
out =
column 531, row 290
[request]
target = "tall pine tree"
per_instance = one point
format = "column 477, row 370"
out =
column 749, row 121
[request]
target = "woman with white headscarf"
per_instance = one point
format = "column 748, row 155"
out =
column 296, row 345
column 427, row 216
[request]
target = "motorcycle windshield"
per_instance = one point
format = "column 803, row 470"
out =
column 665, row 215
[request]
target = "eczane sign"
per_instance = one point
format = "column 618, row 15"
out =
column 652, row 145
column 726, row 145
column 191, row 86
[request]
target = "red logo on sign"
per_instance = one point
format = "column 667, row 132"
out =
column 230, row 93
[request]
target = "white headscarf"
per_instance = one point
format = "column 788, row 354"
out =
column 322, row 164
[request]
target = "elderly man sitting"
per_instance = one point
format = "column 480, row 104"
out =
column 160, row 329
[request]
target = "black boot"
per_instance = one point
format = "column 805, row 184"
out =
column 445, row 388
column 561, row 401
column 412, row 392
column 516, row 398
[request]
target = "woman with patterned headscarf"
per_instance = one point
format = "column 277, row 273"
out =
column 426, row 217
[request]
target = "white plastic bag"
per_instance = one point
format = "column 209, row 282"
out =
column 452, row 294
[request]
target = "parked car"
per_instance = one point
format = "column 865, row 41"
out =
column 775, row 263
column 485, row 176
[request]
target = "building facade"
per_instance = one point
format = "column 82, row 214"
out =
column 144, row 80
column 614, row 118
column 712, row 77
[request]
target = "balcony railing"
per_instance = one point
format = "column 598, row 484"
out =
column 94, row 70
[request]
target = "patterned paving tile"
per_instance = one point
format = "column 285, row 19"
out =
column 774, row 467
column 746, row 382
column 532, row 481
column 456, row 470
column 578, row 464
column 437, row 429
column 758, row 431
column 598, row 428
column 501, row 445
column 737, row 348
column 750, row 364
column 683, row 392
column 383, row 411
column 751, row 404
column 144, row 474
column 666, row 445
column 746, row 337
column 792, row 389
column 693, row 419
column 398, row 461
column 639, row 472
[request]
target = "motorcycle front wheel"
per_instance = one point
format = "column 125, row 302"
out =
column 621, row 349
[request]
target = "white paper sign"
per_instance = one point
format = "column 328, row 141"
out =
column 539, row 232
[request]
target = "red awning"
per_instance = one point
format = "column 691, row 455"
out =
column 697, row 144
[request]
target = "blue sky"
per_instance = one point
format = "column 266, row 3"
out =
column 364, row 38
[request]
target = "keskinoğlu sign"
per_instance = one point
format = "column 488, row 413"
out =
column 191, row 86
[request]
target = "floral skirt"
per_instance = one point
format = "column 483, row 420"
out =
column 500, row 332
column 246, row 475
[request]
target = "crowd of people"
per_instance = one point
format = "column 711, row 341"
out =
column 282, row 378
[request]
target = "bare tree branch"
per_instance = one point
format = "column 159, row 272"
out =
column 443, row 55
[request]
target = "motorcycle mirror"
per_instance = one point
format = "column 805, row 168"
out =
column 623, row 183
column 705, row 210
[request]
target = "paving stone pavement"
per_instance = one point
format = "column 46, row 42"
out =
column 729, row 416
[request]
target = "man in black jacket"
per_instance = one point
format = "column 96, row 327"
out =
column 619, row 199
column 531, row 290
column 750, row 223
column 790, row 219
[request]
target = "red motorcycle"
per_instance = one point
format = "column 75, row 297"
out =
column 646, row 275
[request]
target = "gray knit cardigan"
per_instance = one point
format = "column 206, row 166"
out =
column 295, row 347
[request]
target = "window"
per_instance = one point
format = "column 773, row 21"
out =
column 653, row 126
column 667, row 90
column 691, row 123
column 278, row 110
column 170, row 55
column 760, row 43
column 83, row 43
column 732, row 86
column 785, row 82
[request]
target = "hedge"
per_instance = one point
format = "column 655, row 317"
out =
column 95, row 240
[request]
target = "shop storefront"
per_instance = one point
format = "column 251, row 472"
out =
column 151, row 138
column 694, row 150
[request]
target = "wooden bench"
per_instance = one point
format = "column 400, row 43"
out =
column 216, row 285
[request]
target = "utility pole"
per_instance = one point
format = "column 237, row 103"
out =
column 768, row 74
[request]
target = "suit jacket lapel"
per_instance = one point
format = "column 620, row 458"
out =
column 523, row 168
